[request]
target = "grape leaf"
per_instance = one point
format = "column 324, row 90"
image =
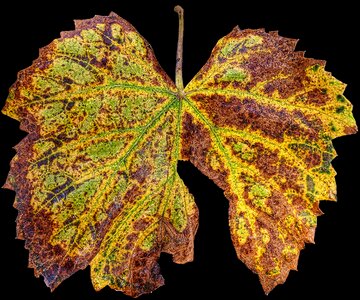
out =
column 96, row 177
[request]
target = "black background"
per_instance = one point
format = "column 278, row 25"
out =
column 325, row 32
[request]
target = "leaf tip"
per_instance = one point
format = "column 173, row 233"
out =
column 113, row 14
column 235, row 30
column 7, row 186
column 9, row 183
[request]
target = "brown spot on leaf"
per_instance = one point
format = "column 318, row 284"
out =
column 141, row 173
column 196, row 149
column 140, row 225
column 246, row 113
column 285, row 87
column 291, row 174
column 317, row 97
column 350, row 130
column 266, row 160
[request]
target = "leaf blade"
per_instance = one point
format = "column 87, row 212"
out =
column 102, row 118
column 268, row 116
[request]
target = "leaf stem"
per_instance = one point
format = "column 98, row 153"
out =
column 179, row 53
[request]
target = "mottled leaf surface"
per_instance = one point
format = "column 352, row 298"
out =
column 96, row 180
column 258, row 119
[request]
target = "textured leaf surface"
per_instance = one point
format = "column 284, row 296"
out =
column 96, row 181
column 258, row 120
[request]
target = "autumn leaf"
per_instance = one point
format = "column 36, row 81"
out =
column 96, row 177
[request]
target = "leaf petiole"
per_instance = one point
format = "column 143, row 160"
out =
column 179, row 53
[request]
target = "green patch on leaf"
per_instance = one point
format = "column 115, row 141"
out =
column 234, row 75
column 258, row 190
column 104, row 149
